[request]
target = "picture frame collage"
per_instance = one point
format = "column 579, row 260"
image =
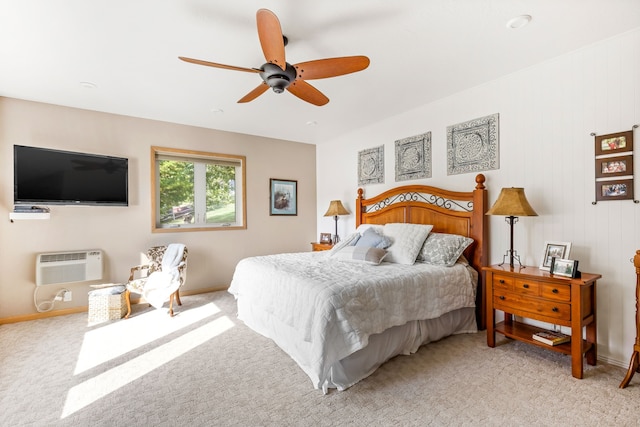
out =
column 614, row 166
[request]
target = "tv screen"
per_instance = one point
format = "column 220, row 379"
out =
column 53, row 177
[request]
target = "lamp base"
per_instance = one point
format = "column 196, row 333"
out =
column 510, row 257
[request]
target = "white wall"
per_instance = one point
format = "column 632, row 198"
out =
column 124, row 232
column 547, row 113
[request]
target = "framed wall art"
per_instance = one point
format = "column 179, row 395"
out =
column 614, row 166
column 614, row 143
column 283, row 197
column 371, row 166
column 413, row 157
column 619, row 189
column 554, row 250
column 473, row 146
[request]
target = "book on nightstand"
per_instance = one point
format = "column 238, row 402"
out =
column 551, row 337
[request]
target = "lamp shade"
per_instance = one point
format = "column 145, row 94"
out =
column 336, row 208
column 512, row 202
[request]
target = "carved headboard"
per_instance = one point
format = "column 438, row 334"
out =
column 448, row 211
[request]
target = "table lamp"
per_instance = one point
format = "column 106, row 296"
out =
column 335, row 209
column 512, row 203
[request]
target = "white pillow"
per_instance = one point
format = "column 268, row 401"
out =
column 360, row 254
column 407, row 241
column 364, row 227
column 350, row 240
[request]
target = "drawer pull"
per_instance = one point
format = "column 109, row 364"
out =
column 501, row 297
column 555, row 309
column 501, row 281
column 526, row 286
column 555, row 291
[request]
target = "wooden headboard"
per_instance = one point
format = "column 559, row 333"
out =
column 448, row 211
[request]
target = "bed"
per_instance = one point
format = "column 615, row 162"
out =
column 340, row 314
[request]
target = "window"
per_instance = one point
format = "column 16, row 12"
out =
column 197, row 191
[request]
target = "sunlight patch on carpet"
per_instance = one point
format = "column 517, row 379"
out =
column 113, row 340
column 90, row 391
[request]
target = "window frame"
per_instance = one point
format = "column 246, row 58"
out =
column 192, row 155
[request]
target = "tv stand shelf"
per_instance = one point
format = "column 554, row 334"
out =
column 29, row 215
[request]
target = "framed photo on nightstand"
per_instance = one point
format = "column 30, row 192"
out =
column 564, row 267
column 559, row 250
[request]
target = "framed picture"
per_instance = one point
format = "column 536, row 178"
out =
column 325, row 238
column 564, row 267
column 554, row 250
column 284, row 197
column 371, row 166
column 614, row 166
column 614, row 143
column 473, row 146
column 619, row 189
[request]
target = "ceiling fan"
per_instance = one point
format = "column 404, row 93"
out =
column 279, row 75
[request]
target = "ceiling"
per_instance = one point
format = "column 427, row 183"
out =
column 420, row 51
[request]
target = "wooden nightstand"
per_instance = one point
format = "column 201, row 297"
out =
column 320, row 246
column 535, row 294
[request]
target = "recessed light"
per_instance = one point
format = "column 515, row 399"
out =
column 312, row 123
column 88, row 85
column 519, row 21
column 217, row 111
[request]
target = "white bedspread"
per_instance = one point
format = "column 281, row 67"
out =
column 335, row 306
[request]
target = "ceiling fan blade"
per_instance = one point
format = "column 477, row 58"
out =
column 331, row 67
column 271, row 40
column 306, row 92
column 213, row 64
column 254, row 93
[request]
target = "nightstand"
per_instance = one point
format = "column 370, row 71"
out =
column 535, row 294
column 320, row 246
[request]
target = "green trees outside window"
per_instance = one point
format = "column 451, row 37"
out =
column 196, row 190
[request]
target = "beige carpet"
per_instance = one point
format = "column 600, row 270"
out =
column 205, row 368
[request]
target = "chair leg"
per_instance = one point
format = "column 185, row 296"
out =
column 178, row 297
column 127, row 297
column 171, row 304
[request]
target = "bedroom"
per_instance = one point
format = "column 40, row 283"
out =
column 549, row 106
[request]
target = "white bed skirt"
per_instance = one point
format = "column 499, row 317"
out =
column 404, row 339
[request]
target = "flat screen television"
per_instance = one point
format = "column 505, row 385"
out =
column 44, row 176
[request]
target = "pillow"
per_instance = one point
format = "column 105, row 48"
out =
column 360, row 254
column 370, row 238
column 407, row 241
column 350, row 240
column 364, row 227
column 443, row 249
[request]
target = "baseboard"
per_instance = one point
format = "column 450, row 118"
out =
column 74, row 310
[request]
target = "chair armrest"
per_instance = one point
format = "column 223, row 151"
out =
column 137, row 268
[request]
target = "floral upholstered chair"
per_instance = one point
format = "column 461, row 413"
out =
column 161, row 278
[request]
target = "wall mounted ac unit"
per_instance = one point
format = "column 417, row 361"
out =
column 68, row 267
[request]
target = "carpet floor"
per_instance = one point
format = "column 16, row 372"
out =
column 206, row 368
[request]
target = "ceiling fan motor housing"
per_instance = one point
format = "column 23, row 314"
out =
column 277, row 78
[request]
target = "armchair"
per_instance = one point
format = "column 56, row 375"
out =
column 166, row 272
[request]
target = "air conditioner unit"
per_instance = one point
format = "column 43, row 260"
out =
column 68, row 267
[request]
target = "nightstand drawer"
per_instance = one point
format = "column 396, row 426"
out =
column 521, row 304
column 502, row 282
column 527, row 287
column 556, row 292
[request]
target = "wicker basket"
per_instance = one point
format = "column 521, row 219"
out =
column 107, row 304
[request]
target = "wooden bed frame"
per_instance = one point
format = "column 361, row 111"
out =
column 448, row 211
